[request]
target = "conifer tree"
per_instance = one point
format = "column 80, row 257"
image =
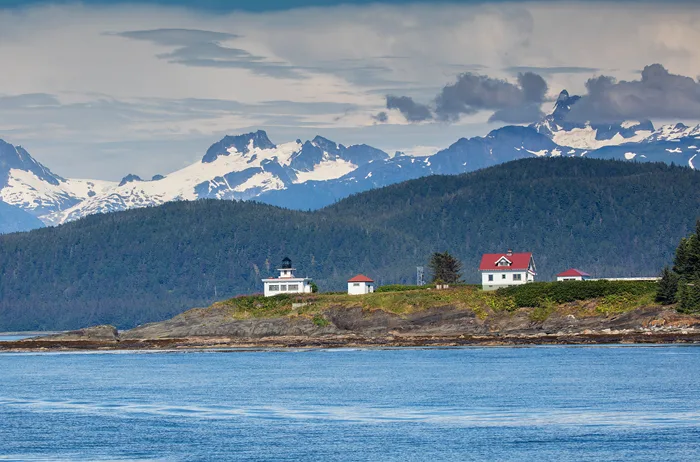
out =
column 668, row 287
column 687, row 261
column 445, row 268
column 689, row 296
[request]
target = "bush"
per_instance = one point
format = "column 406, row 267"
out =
column 400, row 288
column 320, row 321
column 538, row 293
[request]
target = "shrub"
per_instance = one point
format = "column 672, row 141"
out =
column 537, row 293
column 400, row 288
column 320, row 321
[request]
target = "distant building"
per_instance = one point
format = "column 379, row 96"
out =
column 360, row 285
column 506, row 269
column 573, row 275
column 286, row 283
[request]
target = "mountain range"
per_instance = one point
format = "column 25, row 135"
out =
column 307, row 175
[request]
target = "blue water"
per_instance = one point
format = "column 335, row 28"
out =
column 506, row 404
column 21, row 336
column 13, row 338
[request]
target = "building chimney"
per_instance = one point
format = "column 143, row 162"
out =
column 510, row 252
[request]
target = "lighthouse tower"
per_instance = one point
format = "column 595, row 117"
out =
column 286, row 283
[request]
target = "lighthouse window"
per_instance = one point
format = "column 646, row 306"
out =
column 293, row 287
column 283, row 288
column 274, row 287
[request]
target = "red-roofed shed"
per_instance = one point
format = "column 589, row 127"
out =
column 360, row 285
column 360, row 278
column 573, row 274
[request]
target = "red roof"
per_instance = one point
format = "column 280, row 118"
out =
column 360, row 278
column 573, row 272
column 519, row 261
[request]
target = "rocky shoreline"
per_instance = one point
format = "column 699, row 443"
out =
column 353, row 341
column 356, row 327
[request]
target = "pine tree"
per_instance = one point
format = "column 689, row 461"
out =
column 668, row 287
column 687, row 261
column 689, row 296
column 445, row 268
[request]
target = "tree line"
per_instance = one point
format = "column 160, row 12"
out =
column 681, row 283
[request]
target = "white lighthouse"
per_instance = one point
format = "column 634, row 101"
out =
column 286, row 283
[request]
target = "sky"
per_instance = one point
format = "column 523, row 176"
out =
column 100, row 89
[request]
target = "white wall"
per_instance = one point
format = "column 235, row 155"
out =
column 569, row 278
column 504, row 279
column 303, row 286
column 360, row 288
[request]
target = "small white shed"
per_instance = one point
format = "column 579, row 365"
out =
column 360, row 285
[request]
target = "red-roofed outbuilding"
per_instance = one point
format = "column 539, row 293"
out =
column 360, row 285
column 506, row 269
column 573, row 274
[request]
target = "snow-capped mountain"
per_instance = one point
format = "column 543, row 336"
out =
column 27, row 184
column 315, row 173
column 586, row 135
column 237, row 167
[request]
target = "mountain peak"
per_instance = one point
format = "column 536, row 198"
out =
column 129, row 178
column 326, row 145
column 563, row 105
column 16, row 157
column 241, row 143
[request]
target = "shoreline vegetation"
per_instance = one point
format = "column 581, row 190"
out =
column 555, row 313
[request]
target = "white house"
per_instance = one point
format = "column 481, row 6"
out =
column 506, row 269
column 360, row 285
column 573, row 275
column 286, row 283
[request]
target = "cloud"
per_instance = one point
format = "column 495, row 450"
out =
column 514, row 103
column 412, row 111
column 524, row 114
column 203, row 48
column 659, row 94
column 177, row 78
column 26, row 101
column 552, row 69
column 381, row 117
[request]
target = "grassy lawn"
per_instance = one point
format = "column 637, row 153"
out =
column 583, row 298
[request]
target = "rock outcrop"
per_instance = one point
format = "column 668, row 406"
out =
column 89, row 334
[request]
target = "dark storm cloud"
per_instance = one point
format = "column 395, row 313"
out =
column 202, row 48
column 381, row 117
column 412, row 111
column 474, row 92
column 659, row 94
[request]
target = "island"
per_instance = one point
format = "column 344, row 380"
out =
column 556, row 313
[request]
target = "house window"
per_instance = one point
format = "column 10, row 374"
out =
column 490, row 277
column 517, row 277
column 274, row 287
column 293, row 287
column 356, row 284
column 503, row 276
column 283, row 288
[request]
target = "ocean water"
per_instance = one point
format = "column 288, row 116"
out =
column 506, row 404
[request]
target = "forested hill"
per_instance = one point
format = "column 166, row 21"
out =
column 608, row 218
